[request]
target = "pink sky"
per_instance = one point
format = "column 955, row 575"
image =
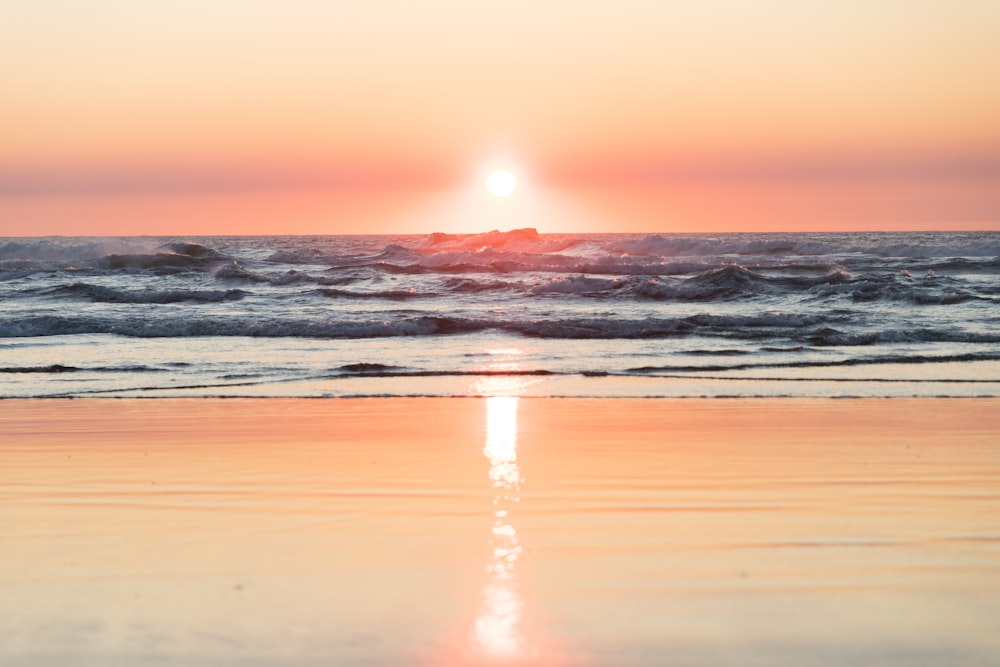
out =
column 264, row 117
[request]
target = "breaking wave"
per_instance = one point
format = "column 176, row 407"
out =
column 100, row 294
column 516, row 303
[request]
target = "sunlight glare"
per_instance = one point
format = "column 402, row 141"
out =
column 501, row 431
column 501, row 183
column 496, row 628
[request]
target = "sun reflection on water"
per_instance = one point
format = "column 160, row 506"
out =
column 497, row 631
column 503, row 630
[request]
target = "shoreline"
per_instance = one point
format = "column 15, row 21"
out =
column 364, row 397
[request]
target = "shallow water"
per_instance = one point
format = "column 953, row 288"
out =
column 500, row 531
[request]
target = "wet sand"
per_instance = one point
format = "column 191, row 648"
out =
column 498, row 531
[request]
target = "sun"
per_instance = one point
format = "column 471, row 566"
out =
column 501, row 183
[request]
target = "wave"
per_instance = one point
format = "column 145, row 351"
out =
column 734, row 281
column 107, row 254
column 162, row 262
column 51, row 368
column 392, row 295
column 233, row 271
column 392, row 252
column 723, row 309
column 59, row 368
column 16, row 269
column 724, row 282
column 101, row 294
column 799, row 329
column 983, row 249
column 490, row 262
column 365, row 368
column 578, row 285
column 936, row 246
column 687, row 246
column 722, row 267
column 775, row 271
column 63, row 252
column 180, row 327
column 312, row 256
column 192, row 250
column 473, row 286
column 901, row 287
column 361, row 369
column 830, row 337
column 859, row 361
column 721, row 284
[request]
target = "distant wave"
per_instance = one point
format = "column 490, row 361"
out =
column 522, row 251
column 100, row 294
column 692, row 246
column 392, row 295
column 813, row 330
column 108, row 255
column 59, row 368
column 860, row 361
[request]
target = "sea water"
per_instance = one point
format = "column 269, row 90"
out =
column 834, row 314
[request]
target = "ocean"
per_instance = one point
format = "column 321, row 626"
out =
column 503, row 313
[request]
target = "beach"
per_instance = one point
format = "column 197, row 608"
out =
column 500, row 531
column 538, row 334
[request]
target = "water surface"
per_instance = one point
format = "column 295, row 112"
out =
column 880, row 314
column 500, row 531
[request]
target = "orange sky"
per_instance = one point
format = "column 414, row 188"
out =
column 259, row 116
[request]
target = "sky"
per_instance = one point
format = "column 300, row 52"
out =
column 203, row 117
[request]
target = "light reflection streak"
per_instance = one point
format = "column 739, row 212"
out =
column 497, row 631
